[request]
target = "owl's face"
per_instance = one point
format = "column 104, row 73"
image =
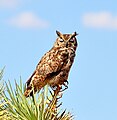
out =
column 66, row 40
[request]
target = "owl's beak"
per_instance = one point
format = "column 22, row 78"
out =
column 66, row 44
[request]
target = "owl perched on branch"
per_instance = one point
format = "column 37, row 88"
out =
column 53, row 68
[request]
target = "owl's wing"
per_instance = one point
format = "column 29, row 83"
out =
column 29, row 80
column 50, row 64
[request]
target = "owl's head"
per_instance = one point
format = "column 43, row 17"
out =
column 66, row 40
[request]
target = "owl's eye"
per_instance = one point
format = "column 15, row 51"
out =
column 61, row 40
column 71, row 40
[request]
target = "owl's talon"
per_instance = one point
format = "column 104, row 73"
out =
column 66, row 82
column 66, row 87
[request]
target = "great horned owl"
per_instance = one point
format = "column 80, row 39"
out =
column 54, row 66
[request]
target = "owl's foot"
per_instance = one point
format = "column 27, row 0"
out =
column 66, row 82
column 65, row 85
column 59, row 87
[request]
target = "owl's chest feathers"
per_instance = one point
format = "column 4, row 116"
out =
column 66, row 56
column 69, row 53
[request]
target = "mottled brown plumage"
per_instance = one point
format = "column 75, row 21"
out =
column 54, row 66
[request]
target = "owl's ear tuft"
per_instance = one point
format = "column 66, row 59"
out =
column 58, row 33
column 75, row 34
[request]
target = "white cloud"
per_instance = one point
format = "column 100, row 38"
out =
column 28, row 20
column 100, row 20
column 9, row 3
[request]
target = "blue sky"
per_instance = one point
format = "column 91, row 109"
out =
column 27, row 31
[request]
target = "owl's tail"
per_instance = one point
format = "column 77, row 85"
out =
column 28, row 92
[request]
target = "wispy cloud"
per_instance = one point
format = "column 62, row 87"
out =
column 100, row 20
column 28, row 20
column 9, row 3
